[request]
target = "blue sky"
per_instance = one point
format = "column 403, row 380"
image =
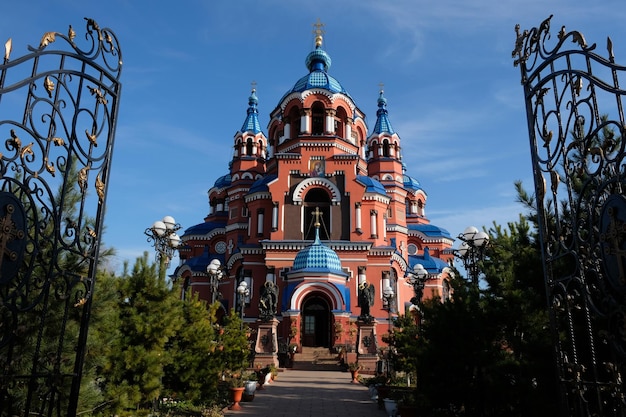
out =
column 453, row 94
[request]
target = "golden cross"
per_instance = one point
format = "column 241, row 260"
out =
column 318, row 32
column 382, row 86
column 317, row 213
column 253, row 84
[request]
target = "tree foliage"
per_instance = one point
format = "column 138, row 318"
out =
column 487, row 351
column 148, row 317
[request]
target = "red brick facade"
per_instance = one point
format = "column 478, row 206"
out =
column 318, row 154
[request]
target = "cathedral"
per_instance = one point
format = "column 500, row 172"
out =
column 315, row 229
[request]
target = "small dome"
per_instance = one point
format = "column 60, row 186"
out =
column 223, row 181
column 371, row 185
column 430, row 230
column 203, row 228
column 317, row 257
column 262, row 184
column 318, row 59
column 411, row 183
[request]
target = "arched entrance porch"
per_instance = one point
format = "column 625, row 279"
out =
column 316, row 321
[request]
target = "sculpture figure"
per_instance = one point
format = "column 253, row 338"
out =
column 268, row 301
column 366, row 300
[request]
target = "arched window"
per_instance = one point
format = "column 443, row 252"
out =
column 249, row 147
column 340, row 122
column 386, row 148
column 317, row 198
column 294, row 116
column 317, row 119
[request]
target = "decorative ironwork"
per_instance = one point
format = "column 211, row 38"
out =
column 575, row 111
column 53, row 186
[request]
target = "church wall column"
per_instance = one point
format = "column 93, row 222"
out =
column 373, row 223
column 358, row 217
column 260, row 217
column 274, row 216
column 348, row 129
column 305, row 121
column 330, row 121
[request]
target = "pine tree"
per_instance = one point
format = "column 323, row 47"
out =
column 196, row 365
column 149, row 315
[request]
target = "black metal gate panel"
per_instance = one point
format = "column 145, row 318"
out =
column 58, row 110
column 575, row 113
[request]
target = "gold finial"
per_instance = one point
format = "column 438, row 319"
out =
column 318, row 32
column 253, row 84
column 317, row 213
column 8, row 46
column 382, row 87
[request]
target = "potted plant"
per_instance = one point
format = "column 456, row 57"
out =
column 250, row 386
column 354, row 368
column 273, row 371
column 236, row 387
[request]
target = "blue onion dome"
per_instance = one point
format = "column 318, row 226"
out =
column 251, row 124
column 317, row 62
column 409, row 182
column 383, row 125
column 223, row 181
column 317, row 257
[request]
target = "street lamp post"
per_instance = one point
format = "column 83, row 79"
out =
column 165, row 241
column 472, row 251
column 216, row 274
column 243, row 292
column 388, row 295
column 417, row 278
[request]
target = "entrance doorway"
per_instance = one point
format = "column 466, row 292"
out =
column 316, row 322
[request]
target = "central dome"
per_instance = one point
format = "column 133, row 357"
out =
column 317, row 257
column 317, row 62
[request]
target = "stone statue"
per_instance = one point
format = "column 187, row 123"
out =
column 268, row 301
column 366, row 300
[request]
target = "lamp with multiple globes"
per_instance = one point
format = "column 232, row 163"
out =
column 243, row 291
column 215, row 269
column 165, row 241
column 472, row 251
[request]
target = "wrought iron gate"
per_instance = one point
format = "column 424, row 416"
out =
column 575, row 111
column 58, row 110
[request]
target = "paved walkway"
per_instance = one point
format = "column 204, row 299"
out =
column 311, row 394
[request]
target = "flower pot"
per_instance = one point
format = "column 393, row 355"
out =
column 235, row 397
column 355, row 376
column 248, row 391
column 250, row 387
column 391, row 407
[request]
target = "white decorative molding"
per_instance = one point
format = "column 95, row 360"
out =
column 316, row 182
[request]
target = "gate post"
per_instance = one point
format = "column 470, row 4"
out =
column 576, row 129
column 58, row 112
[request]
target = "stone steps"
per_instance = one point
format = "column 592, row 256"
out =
column 316, row 359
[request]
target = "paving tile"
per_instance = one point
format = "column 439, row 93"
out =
column 309, row 393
